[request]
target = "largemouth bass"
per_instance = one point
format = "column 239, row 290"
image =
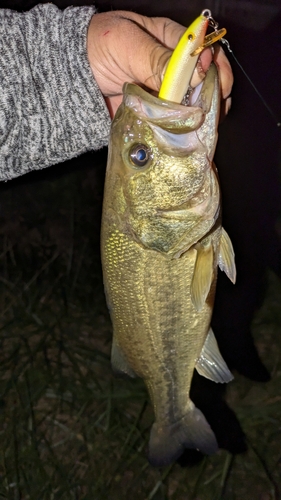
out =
column 162, row 242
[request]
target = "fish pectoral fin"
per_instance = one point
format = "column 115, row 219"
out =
column 119, row 364
column 211, row 364
column 167, row 442
column 202, row 275
column 226, row 260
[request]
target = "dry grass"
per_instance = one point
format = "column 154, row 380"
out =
column 69, row 429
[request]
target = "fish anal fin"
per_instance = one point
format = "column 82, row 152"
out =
column 202, row 275
column 226, row 259
column 211, row 364
column 119, row 364
column 167, row 442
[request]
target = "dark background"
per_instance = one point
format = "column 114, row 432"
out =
column 248, row 160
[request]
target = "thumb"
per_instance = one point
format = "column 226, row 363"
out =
column 121, row 49
column 151, row 66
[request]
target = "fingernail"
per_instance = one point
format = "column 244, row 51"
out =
column 228, row 103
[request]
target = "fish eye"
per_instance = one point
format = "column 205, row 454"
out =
column 190, row 36
column 139, row 155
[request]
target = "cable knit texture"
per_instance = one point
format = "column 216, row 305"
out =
column 51, row 108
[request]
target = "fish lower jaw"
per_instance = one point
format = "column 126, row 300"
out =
column 206, row 210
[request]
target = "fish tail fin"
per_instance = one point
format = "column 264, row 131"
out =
column 167, row 443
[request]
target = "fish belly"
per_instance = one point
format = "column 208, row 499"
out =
column 159, row 334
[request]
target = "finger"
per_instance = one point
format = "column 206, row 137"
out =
column 225, row 107
column 224, row 70
column 113, row 104
column 166, row 31
column 154, row 40
column 202, row 67
column 169, row 32
column 121, row 49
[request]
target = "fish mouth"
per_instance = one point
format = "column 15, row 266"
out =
column 205, row 210
column 170, row 116
column 178, row 210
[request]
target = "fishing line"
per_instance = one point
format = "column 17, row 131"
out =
column 278, row 123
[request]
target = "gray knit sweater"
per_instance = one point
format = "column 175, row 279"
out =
column 51, row 108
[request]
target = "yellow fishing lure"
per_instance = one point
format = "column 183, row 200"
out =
column 179, row 71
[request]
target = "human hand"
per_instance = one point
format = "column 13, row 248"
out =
column 127, row 47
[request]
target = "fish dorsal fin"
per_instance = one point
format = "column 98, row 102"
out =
column 226, row 260
column 119, row 363
column 202, row 275
column 211, row 364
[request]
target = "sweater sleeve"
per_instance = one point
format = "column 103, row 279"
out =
column 51, row 108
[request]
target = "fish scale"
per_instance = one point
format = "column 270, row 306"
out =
column 167, row 322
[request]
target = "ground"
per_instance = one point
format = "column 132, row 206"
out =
column 69, row 429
